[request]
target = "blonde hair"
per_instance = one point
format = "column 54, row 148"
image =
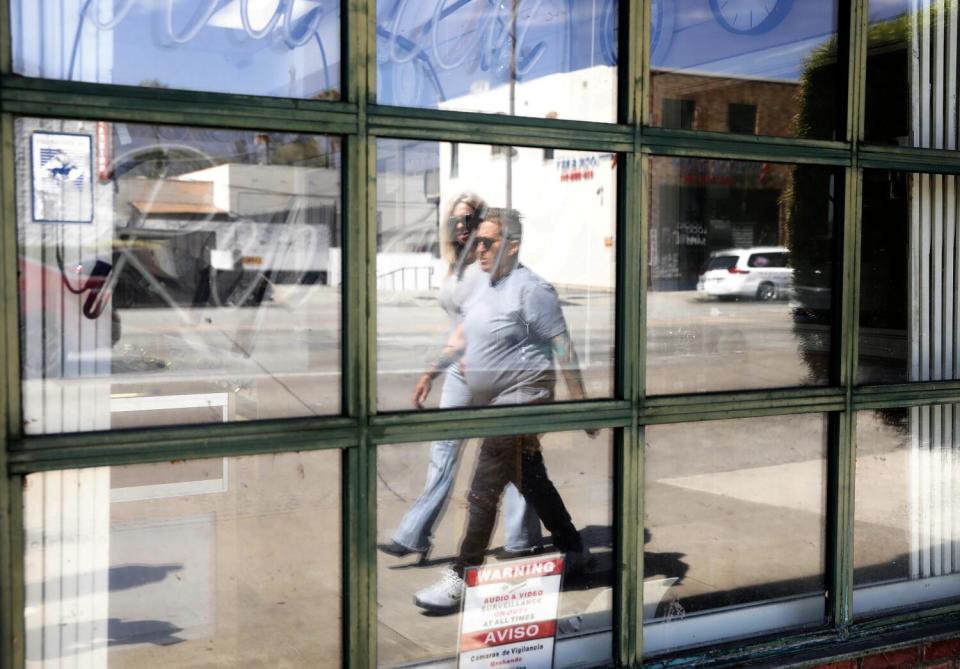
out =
column 448, row 245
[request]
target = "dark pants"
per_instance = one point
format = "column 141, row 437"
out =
column 514, row 459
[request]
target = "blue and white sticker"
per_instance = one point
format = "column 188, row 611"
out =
column 62, row 169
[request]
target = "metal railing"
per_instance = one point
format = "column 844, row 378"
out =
column 406, row 278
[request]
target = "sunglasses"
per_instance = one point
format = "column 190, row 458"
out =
column 468, row 221
column 487, row 242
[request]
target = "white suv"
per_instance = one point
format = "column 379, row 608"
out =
column 761, row 272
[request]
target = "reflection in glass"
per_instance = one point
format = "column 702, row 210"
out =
column 549, row 59
column 580, row 469
column 912, row 71
column 756, row 67
column 280, row 49
column 185, row 564
column 475, row 310
column 175, row 275
column 735, row 529
column 741, row 275
column 908, row 277
column 907, row 532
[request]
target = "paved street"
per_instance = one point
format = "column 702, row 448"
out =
column 697, row 345
column 283, row 359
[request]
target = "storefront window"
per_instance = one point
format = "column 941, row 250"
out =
column 907, row 532
column 735, row 533
column 411, row 231
column 747, row 67
column 912, row 69
column 497, row 284
column 279, row 49
column 174, row 275
column 192, row 563
column 437, row 505
column 549, row 59
column 741, row 288
column 909, row 272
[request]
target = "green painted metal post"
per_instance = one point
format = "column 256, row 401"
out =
column 14, row 598
column 359, row 584
column 844, row 465
column 11, row 557
column 637, row 433
column 841, row 586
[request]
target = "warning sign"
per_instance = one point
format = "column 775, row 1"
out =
column 510, row 614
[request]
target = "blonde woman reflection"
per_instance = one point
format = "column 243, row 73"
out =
column 523, row 534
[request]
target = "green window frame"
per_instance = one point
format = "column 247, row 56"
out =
column 360, row 428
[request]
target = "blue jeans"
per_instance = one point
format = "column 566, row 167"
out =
column 522, row 526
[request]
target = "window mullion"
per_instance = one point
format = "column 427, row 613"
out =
column 841, row 518
column 10, row 583
column 628, row 523
column 6, row 41
column 636, row 220
column 11, row 525
column 643, row 102
column 841, row 494
column 10, row 393
column 632, row 38
column 630, row 269
column 359, row 491
column 11, row 576
column 359, row 652
column 857, row 67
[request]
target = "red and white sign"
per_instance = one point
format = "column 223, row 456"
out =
column 509, row 616
column 103, row 151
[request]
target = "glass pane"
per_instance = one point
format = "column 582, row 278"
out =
column 741, row 290
column 175, row 275
column 259, row 47
column 754, row 67
column 549, row 59
column 438, row 520
column 492, row 308
column 907, row 532
column 911, row 69
column 735, row 533
column 186, row 564
column 908, row 278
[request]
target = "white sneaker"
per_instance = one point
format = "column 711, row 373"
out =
column 444, row 596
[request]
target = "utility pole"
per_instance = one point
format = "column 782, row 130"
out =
column 514, row 7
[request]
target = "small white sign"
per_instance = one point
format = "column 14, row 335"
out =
column 62, row 168
column 509, row 616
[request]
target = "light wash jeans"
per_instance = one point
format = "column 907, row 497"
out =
column 522, row 526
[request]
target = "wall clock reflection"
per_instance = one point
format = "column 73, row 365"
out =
column 750, row 17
